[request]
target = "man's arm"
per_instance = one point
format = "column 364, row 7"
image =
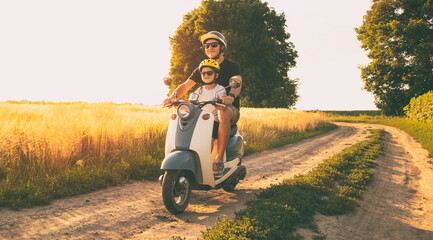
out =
column 228, row 100
column 180, row 91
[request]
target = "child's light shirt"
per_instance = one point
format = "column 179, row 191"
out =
column 211, row 94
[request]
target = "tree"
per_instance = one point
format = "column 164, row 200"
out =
column 398, row 35
column 257, row 40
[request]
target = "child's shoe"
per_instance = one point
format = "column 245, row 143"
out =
column 218, row 168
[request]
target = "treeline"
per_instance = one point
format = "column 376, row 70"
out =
column 398, row 36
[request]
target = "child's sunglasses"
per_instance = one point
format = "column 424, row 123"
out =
column 209, row 73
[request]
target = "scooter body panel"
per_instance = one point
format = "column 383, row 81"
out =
column 170, row 140
column 201, row 143
column 196, row 136
column 188, row 146
column 180, row 160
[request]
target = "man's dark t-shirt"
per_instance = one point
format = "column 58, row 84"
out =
column 228, row 69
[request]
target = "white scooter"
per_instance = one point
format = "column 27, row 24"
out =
column 188, row 153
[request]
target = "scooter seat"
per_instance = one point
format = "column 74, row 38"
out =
column 233, row 130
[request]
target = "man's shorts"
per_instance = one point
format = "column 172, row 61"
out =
column 234, row 120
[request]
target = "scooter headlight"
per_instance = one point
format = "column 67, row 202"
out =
column 184, row 111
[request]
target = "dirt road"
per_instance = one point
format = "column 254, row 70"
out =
column 397, row 205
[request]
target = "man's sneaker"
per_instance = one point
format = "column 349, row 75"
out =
column 218, row 168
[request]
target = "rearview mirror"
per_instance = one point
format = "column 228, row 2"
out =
column 168, row 80
column 235, row 82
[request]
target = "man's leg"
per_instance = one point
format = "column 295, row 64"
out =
column 225, row 115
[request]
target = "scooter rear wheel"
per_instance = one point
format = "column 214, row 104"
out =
column 230, row 188
column 176, row 191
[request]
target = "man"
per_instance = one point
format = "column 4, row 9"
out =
column 215, row 44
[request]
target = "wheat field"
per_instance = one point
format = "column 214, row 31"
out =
column 53, row 136
column 41, row 140
column 262, row 126
column 61, row 134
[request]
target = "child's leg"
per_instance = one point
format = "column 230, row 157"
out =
column 217, row 165
column 214, row 141
column 214, row 146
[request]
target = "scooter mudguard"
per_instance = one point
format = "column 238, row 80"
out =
column 180, row 160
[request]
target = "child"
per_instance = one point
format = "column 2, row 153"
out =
column 210, row 90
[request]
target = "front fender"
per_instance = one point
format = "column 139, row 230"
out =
column 181, row 160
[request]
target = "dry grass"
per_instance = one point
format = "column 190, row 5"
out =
column 266, row 126
column 51, row 150
column 56, row 136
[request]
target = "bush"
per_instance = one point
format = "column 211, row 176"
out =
column 244, row 228
column 421, row 108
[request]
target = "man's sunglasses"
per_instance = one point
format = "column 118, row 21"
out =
column 209, row 73
column 212, row 44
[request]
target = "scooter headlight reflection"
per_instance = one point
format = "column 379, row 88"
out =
column 184, row 111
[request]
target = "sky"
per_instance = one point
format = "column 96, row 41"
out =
column 119, row 51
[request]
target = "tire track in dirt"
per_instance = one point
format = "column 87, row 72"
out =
column 136, row 211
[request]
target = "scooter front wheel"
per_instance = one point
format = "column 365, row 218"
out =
column 176, row 191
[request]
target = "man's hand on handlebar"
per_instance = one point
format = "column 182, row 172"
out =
column 168, row 102
column 227, row 100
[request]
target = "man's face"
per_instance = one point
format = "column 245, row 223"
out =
column 211, row 51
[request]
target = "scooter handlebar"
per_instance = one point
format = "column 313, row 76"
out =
column 218, row 102
column 175, row 102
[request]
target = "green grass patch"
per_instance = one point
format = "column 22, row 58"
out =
column 355, row 113
column 330, row 189
column 42, row 189
column 420, row 131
